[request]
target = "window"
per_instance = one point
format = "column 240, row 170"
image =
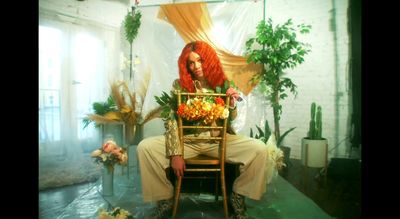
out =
column 72, row 75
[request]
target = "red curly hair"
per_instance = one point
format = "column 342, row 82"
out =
column 211, row 65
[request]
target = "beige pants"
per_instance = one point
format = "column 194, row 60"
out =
column 249, row 152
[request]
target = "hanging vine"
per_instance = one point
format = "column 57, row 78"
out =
column 131, row 26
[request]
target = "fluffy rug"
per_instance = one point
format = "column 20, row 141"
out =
column 56, row 173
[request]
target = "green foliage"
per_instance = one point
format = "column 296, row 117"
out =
column 264, row 135
column 132, row 24
column 168, row 105
column 101, row 108
column 315, row 129
column 225, row 87
column 277, row 49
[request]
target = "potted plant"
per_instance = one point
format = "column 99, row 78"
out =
column 276, row 49
column 264, row 135
column 122, row 106
column 314, row 148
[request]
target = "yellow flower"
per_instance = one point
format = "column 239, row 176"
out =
column 205, row 109
column 225, row 113
column 118, row 212
column 103, row 157
column 96, row 153
column 123, row 158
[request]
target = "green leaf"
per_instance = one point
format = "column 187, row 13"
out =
column 132, row 24
column 267, row 130
column 260, row 131
column 218, row 89
column 86, row 122
column 101, row 108
column 168, row 104
column 284, row 135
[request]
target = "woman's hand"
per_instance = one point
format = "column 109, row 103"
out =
column 178, row 165
column 214, row 132
column 234, row 96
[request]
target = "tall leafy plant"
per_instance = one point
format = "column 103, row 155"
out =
column 277, row 49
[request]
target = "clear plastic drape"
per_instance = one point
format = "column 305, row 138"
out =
column 159, row 45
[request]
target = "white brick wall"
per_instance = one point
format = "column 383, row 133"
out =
column 323, row 77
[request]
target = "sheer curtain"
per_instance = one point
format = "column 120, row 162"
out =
column 193, row 22
column 76, row 61
column 159, row 44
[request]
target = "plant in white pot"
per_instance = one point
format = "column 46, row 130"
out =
column 314, row 148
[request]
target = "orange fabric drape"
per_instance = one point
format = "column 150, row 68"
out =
column 193, row 22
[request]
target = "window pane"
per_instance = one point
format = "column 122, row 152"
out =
column 49, row 84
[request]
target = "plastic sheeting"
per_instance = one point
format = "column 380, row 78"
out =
column 281, row 200
column 158, row 46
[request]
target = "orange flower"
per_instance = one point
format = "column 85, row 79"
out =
column 205, row 109
column 220, row 101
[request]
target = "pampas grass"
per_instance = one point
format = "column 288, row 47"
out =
column 126, row 107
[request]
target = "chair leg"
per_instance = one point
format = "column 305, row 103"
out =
column 225, row 200
column 178, row 184
column 216, row 186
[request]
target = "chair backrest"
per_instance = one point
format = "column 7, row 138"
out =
column 221, row 125
column 204, row 163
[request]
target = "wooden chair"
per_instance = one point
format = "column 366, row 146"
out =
column 203, row 163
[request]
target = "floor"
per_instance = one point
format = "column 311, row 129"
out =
column 290, row 195
column 338, row 194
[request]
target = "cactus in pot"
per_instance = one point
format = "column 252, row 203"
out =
column 314, row 148
column 315, row 129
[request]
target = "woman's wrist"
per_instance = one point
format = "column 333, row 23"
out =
column 233, row 107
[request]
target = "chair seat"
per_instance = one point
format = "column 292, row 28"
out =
column 202, row 160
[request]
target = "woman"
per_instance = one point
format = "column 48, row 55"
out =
column 200, row 70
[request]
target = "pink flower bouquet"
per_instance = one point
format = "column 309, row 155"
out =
column 110, row 154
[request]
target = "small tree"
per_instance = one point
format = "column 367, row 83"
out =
column 277, row 49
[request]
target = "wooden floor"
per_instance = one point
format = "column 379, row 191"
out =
column 337, row 195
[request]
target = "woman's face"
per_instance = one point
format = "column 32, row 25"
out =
column 194, row 64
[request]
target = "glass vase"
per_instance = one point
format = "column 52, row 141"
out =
column 108, row 181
